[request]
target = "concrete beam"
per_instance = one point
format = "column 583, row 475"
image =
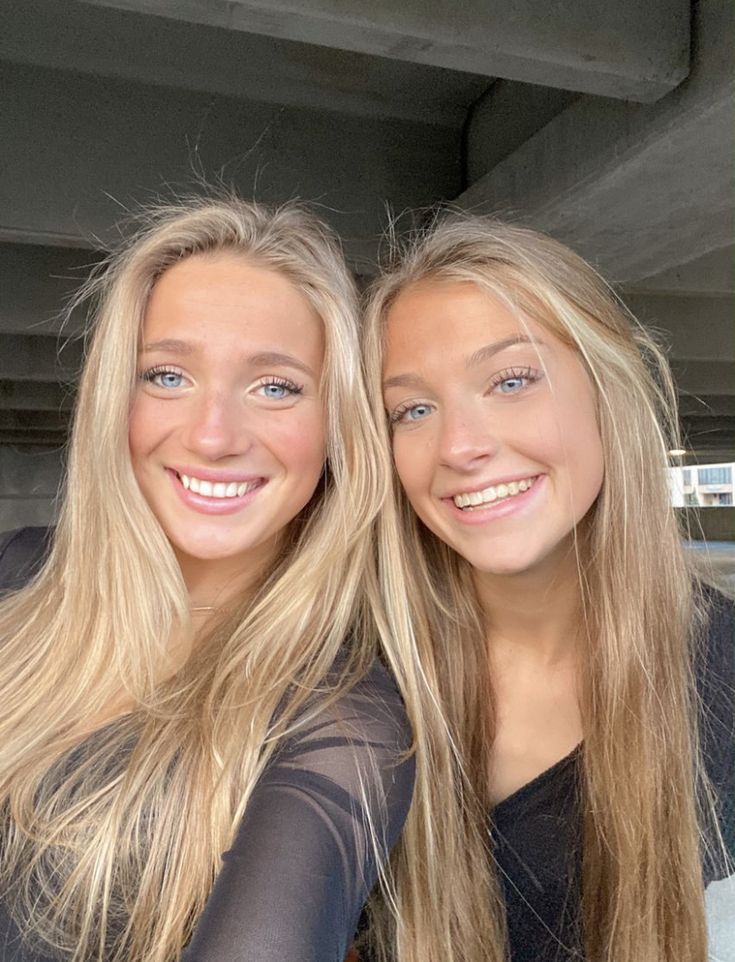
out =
column 54, row 440
column 191, row 56
column 637, row 189
column 712, row 273
column 505, row 117
column 85, row 150
column 25, row 357
column 36, row 284
column 699, row 433
column 33, row 422
column 700, row 378
column 627, row 49
column 32, row 472
column 695, row 328
column 35, row 396
column 707, row 405
column 30, row 477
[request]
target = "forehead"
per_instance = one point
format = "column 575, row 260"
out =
column 449, row 314
column 226, row 288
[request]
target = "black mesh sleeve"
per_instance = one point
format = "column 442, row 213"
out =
column 304, row 859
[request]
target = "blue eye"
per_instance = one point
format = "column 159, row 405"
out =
column 279, row 388
column 410, row 413
column 513, row 380
column 164, row 377
column 511, row 384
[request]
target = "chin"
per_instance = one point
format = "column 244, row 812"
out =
column 502, row 565
column 209, row 548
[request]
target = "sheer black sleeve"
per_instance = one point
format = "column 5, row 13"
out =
column 304, row 859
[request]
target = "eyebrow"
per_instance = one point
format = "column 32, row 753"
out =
column 278, row 359
column 479, row 356
column 260, row 359
column 490, row 350
column 169, row 344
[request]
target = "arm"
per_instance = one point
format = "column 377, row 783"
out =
column 302, row 863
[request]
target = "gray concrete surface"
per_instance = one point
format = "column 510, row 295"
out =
column 638, row 189
column 80, row 158
column 29, row 481
column 624, row 49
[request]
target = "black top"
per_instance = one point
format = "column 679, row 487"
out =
column 537, row 830
column 301, row 866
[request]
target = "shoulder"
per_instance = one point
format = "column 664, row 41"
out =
column 715, row 652
column 22, row 552
column 359, row 744
column 376, row 704
column 715, row 674
column 369, row 712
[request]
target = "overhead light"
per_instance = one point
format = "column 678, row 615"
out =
column 677, row 452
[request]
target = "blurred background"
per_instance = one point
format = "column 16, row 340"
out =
column 609, row 125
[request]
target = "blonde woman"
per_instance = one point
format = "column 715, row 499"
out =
column 198, row 745
column 586, row 783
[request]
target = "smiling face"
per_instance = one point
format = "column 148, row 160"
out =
column 227, row 423
column 495, row 435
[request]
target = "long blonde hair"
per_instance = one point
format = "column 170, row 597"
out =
column 642, row 777
column 111, row 843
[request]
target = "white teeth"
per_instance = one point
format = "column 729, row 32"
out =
column 494, row 493
column 218, row 489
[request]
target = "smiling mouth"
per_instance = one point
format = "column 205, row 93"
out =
column 493, row 494
column 218, row 490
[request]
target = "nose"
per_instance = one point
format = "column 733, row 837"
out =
column 217, row 427
column 468, row 437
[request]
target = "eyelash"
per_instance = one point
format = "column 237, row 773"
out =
column 152, row 373
column 395, row 416
column 155, row 372
column 528, row 374
column 290, row 386
column 515, row 373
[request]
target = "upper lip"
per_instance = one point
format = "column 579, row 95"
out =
column 491, row 484
column 208, row 474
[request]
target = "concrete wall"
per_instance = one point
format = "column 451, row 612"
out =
column 84, row 152
column 29, row 481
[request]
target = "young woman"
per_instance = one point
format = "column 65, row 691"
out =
column 587, row 675
column 193, row 670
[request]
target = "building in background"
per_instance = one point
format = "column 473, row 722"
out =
column 704, row 485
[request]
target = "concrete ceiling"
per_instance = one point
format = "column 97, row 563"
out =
column 587, row 119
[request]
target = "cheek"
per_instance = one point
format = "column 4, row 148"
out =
column 143, row 428
column 300, row 443
column 412, row 466
column 580, row 445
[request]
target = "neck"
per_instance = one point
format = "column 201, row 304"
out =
column 536, row 613
column 219, row 583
